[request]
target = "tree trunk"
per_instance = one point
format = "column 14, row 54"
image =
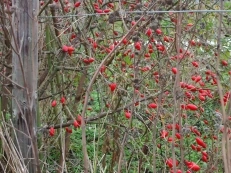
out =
column 24, row 76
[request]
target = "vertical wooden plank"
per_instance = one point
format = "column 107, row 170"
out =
column 25, row 74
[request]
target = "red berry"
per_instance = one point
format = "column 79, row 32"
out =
column 103, row 69
column 178, row 171
column 94, row 45
column 158, row 31
column 198, row 78
column 98, row 11
column 70, row 49
column 195, row 64
column 68, row 130
column 193, row 147
column 137, row 45
column 150, row 51
column 169, row 162
column 169, row 126
column 160, row 47
column 150, row 46
column 77, row 4
column 53, row 103
column 133, row 23
column 198, row 148
column 76, row 124
column 194, row 130
column 192, row 43
column 66, row 9
column 167, row 39
column 124, row 41
column 201, row 97
column 115, row 33
column 52, row 131
column 191, row 87
column 63, row 100
column 152, row 105
column 96, row 5
column 91, row 60
column 200, row 142
column 224, row 63
column 88, row 60
column 204, row 153
column 204, row 158
column 70, row 53
column 64, row 48
column 79, row 119
column 112, row 86
column 193, row 166
column 170, row 139
column 73, row 35
column 149, row 32
column 193, row 78
column 174, row 70
column 163, row 134
column 110, row 5
column 191, row 107
column 106, row 10
column 178, row 136
column 127, row 115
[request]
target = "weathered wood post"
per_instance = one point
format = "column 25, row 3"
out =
column 24, row 76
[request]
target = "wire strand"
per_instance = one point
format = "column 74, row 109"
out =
column 140, row 12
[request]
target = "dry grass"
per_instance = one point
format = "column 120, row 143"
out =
column 12, row 160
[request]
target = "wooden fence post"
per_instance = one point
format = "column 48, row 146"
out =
column 24, row 76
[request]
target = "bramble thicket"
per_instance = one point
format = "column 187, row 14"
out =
column 126, row 86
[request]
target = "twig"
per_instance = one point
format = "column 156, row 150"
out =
column 12, row 81
column 226, row 158
column 141, row 12
column 83, row 125
column 100, row 115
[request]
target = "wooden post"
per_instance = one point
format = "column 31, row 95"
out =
column 24, row 76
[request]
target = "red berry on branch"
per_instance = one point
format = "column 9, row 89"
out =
column 174, row 70
column 224, row 63
column 112, row 86
column 158, row 31
column 137, row 45
column 149, row 32
column 52, row 131
column 63, row 100
column 53, row 103
column 200, row 142
column 64, row 48
column 192, row 107
column 152, row 105
column 127, row 114
column 77, row 4
column 76, row 124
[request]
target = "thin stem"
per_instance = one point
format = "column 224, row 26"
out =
column 224, row 136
